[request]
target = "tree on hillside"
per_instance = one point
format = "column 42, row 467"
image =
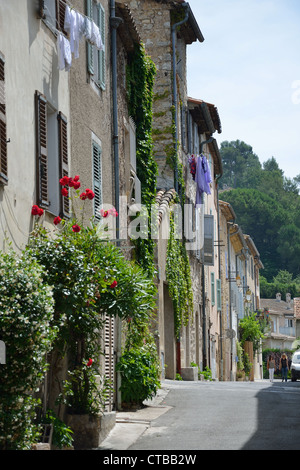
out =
column 240, row 165
column 260, row 216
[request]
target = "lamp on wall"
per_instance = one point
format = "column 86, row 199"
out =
column 248, row 295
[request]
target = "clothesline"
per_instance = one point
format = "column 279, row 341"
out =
column 200, row 171
column 78, row 26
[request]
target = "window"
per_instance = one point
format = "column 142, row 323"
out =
column 95, row 57
column 208, row 245
column 3, row 139
column 212, row 285
column 53, row 12
column 51, row 156
column 97, row 180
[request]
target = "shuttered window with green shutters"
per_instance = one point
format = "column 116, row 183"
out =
column 95, row 57
column 219, row 294
column 212, row 285
column 97, row 180
column 3, row 138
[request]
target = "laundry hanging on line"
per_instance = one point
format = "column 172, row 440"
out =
column 78, row 27
column 199, row 168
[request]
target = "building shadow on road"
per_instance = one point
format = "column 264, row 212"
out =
column 278, row 418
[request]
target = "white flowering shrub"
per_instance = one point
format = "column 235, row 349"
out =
column 26, row 329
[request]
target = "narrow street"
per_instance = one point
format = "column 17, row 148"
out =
column 223, row 416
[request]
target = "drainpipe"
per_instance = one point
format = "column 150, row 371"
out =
column 219, row 267
column 203, row 284
column 185, row 5
column 114, row 23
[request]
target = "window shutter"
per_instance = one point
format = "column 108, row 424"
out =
column 41, row 151
column 3, row 138
column 60, row 15
column 90, row 48
column 219, row 296
column 63, row 160
column 208, row 246
column 212, row 284
column 101, row 54
column 109, row 361
column 97, row 180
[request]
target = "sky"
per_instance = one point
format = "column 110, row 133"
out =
column 249, row 67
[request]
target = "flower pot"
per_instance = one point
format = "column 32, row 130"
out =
column 86, row 430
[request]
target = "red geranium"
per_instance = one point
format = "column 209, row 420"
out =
column 83, row 196
column 36, row 210
column 90, row 194
column 113, row 284
column 90, row 362
column 76, row 228
column 57, row 220
column 64, row 181
column 64, row 192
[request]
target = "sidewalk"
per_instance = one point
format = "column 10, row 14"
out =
column 130, row 425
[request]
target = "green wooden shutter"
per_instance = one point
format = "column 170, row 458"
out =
column 3, row 138
column 101, row 54
column 97, row 180
column 219, row 295
column 212, row 284
column 89, row 47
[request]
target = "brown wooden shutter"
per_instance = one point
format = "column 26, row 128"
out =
column 41, row 150
column 109, row 361
column 63, row 160
column 60, row 15
column 3, row 138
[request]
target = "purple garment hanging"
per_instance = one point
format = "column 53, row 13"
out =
column 202, row 178
column 207, row 175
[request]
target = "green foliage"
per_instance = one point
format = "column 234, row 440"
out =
column 140, row 81
column 179, row 279
column 266, row 204
column 240, row 354
column 140, row 374
column 82, row 393
column 207, row 373
column 62, row 434
column 251, row 330
column 26, row 326
column 283, row 283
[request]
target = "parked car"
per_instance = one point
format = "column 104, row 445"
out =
column 295, row 366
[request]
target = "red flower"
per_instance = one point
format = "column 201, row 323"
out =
column 76, row 178
column 76, row 184
column 113, row 285
column 83, row 196
column 104, row 213
column 90, row 362
column 64, row 181
column 90, row 194
column 57, row 220
column 64, row 192
column 76, row 228
column 36, row 210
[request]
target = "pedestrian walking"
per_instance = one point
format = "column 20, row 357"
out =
column 271, row 367
column 284, row 366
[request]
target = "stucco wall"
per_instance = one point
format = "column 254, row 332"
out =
column 31, row 64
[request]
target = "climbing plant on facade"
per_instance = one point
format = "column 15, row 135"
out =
column 140, row 80
column 179, row 279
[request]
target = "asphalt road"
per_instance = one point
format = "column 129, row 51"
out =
column 226, row 416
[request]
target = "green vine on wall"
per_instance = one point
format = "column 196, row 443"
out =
column 179, row 279
column 141, row 72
